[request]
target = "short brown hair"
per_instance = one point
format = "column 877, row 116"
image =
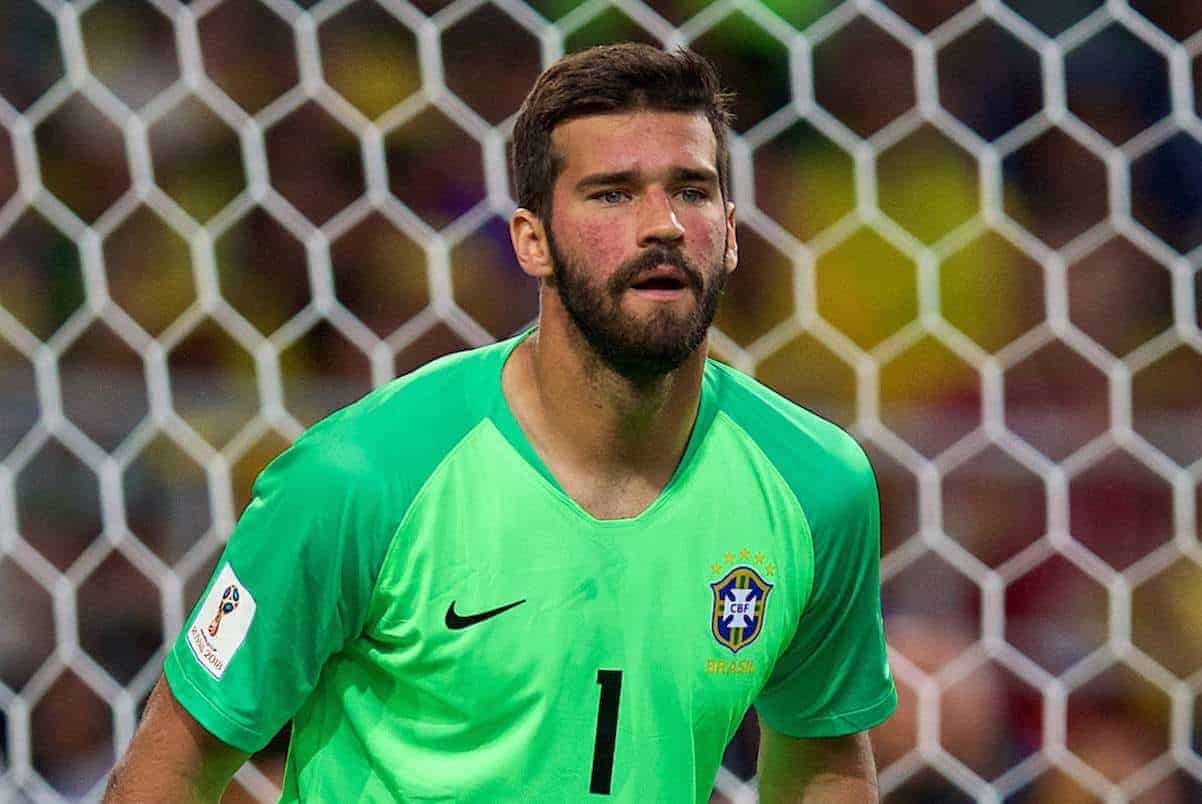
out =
column 605, row 79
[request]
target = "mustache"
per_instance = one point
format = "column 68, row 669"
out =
column 656, row 255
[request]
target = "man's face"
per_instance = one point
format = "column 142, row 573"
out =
column 640, row 237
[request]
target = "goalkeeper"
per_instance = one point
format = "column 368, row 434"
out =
column 560, row 567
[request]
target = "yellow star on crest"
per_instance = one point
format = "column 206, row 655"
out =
column 770, row 569
column 759, row 558
column 715, row 568
column 744, row 554
column 729, row 557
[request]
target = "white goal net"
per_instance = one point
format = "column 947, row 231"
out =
column 970, row 233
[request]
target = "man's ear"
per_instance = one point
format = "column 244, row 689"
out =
column 731, row 258
column 530, row 245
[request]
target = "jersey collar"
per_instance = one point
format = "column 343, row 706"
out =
column 505, row 421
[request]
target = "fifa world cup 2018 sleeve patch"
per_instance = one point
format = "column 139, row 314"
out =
column 740, row 600
column 221, row 623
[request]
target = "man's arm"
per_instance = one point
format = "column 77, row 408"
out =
column 829, row 770
column 172, row 758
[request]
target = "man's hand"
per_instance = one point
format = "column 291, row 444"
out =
column 830, row 770
column 172, row 758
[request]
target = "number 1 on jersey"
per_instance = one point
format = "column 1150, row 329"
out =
column 607, row 730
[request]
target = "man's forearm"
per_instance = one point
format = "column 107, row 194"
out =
column 824, row 788
column 835, row 770
column 172, row 758
column 135, row 781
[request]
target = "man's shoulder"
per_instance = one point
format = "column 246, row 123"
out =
column 457, row 384
column 773, row 420
column 407, row 425
column 817, row 458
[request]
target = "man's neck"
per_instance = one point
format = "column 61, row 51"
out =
column 579, row 412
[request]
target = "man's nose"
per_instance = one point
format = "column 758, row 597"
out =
column 657, row 219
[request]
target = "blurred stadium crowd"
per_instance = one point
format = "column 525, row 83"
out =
column 1090, row 297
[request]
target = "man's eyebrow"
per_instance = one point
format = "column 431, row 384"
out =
column 603, row 179
column 698, row 175
column 676, row 175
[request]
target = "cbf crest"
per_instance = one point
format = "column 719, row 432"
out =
column 740, row 600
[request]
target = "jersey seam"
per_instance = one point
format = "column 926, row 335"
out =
column 848, row 718
column 884, row 698
column 413, row 503
column 800, row 507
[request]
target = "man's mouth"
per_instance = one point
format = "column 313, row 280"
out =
column 659, row 283
column 664, row 280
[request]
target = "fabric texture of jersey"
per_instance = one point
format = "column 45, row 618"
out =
column 752, row 579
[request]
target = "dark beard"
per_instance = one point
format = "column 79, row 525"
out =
column 637, row 350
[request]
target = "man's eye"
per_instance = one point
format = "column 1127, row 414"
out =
column 611, row 196
column 693, row 196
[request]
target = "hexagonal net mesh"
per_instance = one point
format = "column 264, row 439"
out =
column 969, row 234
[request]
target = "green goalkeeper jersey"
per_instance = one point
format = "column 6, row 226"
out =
column 442, row 622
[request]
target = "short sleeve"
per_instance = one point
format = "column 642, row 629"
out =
column 291, row 588
column 834, row 678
